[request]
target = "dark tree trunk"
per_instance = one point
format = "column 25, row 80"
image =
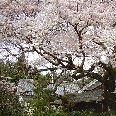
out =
column 105, row 106
column 105, row 102
column 109, row 99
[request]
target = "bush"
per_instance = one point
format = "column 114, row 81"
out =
column 9, row 104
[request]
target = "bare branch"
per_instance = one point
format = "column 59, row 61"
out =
column 100, row 44
column 54, row 63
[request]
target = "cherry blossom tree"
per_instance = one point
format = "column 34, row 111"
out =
column 73, row 35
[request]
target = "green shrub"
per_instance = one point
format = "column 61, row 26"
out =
column 9, row 104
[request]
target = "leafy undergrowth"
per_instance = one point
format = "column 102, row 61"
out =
column 76, row 113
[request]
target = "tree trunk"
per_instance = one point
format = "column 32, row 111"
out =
column 105, row 95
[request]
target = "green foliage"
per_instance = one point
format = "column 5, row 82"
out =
column 43, row 96
column 9, row 104
column 9, row 101
column 75, row 113
column 9, row 69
